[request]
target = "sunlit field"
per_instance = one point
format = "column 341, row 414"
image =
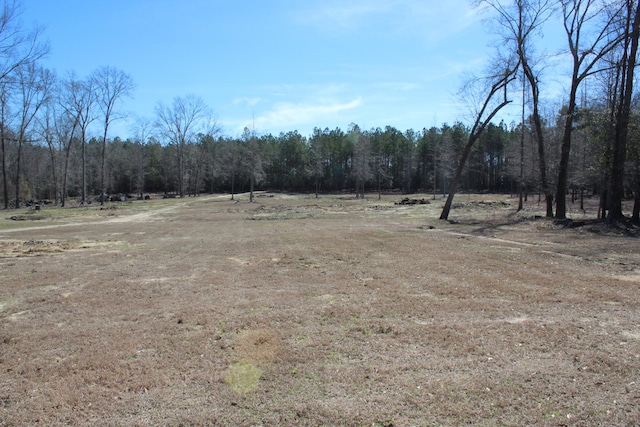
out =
column 296, row 310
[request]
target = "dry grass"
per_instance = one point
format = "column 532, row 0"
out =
column 332, row 311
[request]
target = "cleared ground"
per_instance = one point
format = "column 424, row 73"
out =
column 302, row 311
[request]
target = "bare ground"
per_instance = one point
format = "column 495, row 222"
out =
column 331, row 311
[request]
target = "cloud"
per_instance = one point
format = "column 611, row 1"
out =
column 429, row 21
column 392, row 87
column 246, row 101
column 341, row 16
column 289, row 115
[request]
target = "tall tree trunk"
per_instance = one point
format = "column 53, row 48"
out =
column 252, row 177
column 478, row 127
column 565, row 150
column 103, row 187
column 453, row 187
column 233, row 184
column 63, row 191
column 17, row 181
column 635, row 217
column 435, row 175
column 5, row 182
column 537, row 124
column 181, row 168
column 54, row 167
column 84, row 173
column 251, row 188
column 586, row 54
column 616, row 188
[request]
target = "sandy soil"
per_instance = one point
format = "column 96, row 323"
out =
column 331, row 311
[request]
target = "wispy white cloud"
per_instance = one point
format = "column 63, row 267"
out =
column 246, row 101
column 307, row 114
column 343, row 16
column 429, row 21
column 398, row 86
column 433, row 21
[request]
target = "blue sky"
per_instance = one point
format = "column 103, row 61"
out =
column 276, row 65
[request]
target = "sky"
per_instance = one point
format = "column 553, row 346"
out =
column 276, row 65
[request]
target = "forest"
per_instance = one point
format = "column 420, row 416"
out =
column 57, row 148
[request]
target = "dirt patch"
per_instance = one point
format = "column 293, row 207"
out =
column 13, row 248
column 27, row 217
column 408, row 201
column 331, row 311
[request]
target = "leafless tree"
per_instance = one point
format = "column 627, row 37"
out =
column 142, row 132
column 111, row 85
column 35, row 85
column 627, row 66
column 66, row 128
column 593, row 30
column 180, row 124
column 251, row 159
column 46, row 131
column 84, row 99
column 521, row 21
column 494, row 99
column 5, row 136
column 77, row 100
column 19, row 46
column 634, row 158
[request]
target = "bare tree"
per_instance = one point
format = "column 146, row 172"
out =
column 142, row 131
column 494, row 100
column 180, row 124
column 5, row 135
column 583, row 18
column 251, row 159
column 623, row 110
column 46, row 131
column 521, row 21
column 19, row 46
column 634, row 157
column 77, row 99
column 110, row 85
column 66, row 128
column 84, row 99
column 35, row 86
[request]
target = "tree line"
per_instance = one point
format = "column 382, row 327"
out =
column 588, row 145
column 329, row 160
column 601, row 43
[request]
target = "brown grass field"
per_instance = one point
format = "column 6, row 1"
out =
column 316, row 312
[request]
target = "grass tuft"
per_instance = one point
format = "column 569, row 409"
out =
column 243, row 377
